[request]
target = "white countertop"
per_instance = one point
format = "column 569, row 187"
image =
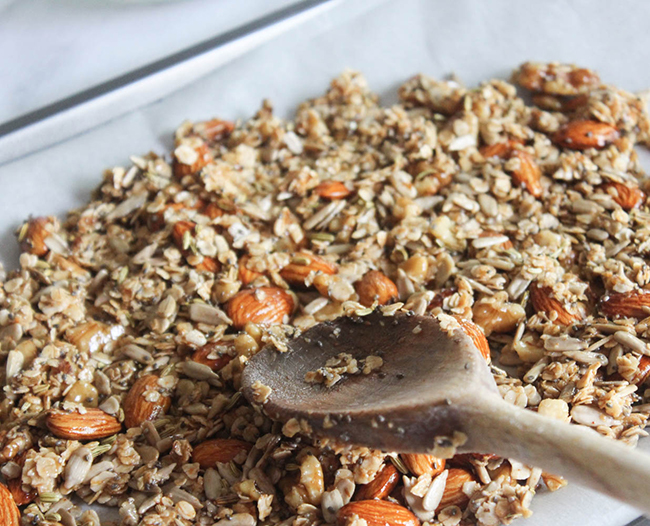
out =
column 52, row 49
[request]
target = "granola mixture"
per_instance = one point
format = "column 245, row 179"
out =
column 125, row 330
column 343, row 364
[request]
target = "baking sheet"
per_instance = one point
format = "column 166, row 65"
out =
column 83, row 42
column 388, row 41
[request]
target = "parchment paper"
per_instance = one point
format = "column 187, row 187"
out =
column 389, row 42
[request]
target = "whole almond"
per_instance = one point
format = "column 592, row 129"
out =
column 628, row 196
column 32, row 238
column 422, row 464
column 475, row 332
column 583, row 134
column 203, row 158
column 377, row 513
column 9, row 513
column 245, row 274
column 633, row 304
column 375, row 286
column 332, row 190
column 224, row 352
column 542, row 301
column 453, row 494
column 92, row 424
column 528, row 175
column 263, row 305
column 302, row 266
column 208, row 453
column 145, row 401
column 381, row 486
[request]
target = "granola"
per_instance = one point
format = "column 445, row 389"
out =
column 126, row 328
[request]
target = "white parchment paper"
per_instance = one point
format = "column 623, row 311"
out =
column 389, row 42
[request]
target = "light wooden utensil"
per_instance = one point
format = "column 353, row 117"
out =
column 431, row 386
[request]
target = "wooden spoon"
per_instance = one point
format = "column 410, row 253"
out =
column 434, row 388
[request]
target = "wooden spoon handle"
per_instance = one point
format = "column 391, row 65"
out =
column 576, row 452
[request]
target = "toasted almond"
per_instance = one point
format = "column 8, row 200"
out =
column 528, row 175
column 178, row 233
column 453, row 495
column 208, row 453
column 422, row 464
column 633, row 304
column 583, row 134
column 376, row 286
column 224, row 352
column 9, row 513
column 332, row 190
column 499, row 149
column 475, row 332
column 381, row 486
column 628, row 196
column 92, row 424
column 203, row 158
column 303, row 265
column 145, row 401
column 33, row 236
column 542, row 301
column 377, row 513
column 246, row 275
column 208, row 265
column 263, row 305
